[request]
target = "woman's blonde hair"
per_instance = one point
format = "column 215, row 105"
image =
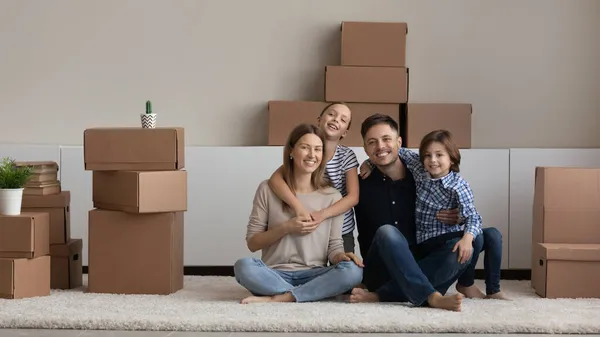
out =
column 318, row 180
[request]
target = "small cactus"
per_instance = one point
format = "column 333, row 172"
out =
column 148, row 107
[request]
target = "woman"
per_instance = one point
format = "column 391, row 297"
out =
column 295, row 250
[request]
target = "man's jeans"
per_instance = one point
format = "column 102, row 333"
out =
column 305, row 285
column 393, row 272
column 491, row 243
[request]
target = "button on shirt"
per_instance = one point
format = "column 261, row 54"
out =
column 434, row 195
column 383, row 201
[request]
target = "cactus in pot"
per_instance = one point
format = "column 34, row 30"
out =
column 148, row 119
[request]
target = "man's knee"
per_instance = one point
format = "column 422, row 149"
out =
column 390, row 233
column 353, row 274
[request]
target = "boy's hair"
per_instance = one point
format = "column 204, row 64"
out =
column 376, row 119
column 337, row 103
column 443, row 137
column 317, row 179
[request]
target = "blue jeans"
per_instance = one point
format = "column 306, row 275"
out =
column 491, row 243
column 305, row 285
column 393, row 272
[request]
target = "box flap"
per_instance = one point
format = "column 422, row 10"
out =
column 571, row 252
column 74, row 246
column 567, row 188
column 6, row 278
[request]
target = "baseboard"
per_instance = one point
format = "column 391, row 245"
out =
column 506, row 274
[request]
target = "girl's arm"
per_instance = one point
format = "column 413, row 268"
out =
column 283, row 191
column 259, row 234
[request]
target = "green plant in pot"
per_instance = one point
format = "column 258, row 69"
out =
column 148, row 119
column 13, row 178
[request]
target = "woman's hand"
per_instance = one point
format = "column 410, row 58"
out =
column 465, row 248
column 365, row 170
column 347, row 257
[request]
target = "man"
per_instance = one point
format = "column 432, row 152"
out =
column 395, row 270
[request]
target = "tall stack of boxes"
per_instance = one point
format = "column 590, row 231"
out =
column 139, row 194
column 43, row 193
column 373, row 77
column 565, row 261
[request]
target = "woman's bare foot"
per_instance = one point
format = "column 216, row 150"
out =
column 470, row 292
column 449, row 302
column 498, row 296
column 287, row 297
column 360, row 295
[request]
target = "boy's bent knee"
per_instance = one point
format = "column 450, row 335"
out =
column 492, row 234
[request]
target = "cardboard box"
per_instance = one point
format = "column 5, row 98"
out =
column 135, row 253
column 58, row 207
column 285, row 115
column 66, row 267
column 140, row 191
column 422, row 118
column 566, row 270
column 375, row 44
column 566, row 205
column 23, row 278
column 366, row 84
column 25, row 235
column 130, row 148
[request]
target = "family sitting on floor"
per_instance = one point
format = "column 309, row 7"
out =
column 418, row 229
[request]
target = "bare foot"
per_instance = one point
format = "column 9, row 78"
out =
column 470, row 292
column 360, row 295
column 449, row 302
column 498, row 296
column 287, row 297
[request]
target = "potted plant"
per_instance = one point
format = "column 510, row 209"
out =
column 13, row 178
column 149, row 118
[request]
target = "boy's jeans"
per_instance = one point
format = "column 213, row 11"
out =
column 491, row 243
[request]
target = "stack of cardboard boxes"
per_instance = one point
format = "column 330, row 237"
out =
column 24, row 255
column 373, row 78
column 566, row 233
column 43, row 193
column 139, row 194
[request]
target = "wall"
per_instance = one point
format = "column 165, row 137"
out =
column 211, row 66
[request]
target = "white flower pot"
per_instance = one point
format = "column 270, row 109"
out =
column 148, row 120
column 10, row 201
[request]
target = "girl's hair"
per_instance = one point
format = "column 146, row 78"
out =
column 317, row 180
column 443, row 137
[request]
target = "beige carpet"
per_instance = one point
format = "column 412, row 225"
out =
column 211, row 304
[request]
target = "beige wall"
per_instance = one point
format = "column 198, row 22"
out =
column 530, row 68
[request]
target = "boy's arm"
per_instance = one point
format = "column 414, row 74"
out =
column 283, row 191
column 466, row 206
column 412, row 161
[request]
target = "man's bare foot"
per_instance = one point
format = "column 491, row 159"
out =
column 360, row 295
column 449, row 302
column 287, row 297
column 498, row 296
column 470, row 292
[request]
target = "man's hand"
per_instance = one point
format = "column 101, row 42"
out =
column 347, row 257
column 465, row 248
column 449, row 216
column 301, row 225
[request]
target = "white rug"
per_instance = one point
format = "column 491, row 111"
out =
column 211, row 304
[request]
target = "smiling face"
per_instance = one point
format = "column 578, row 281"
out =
column 382, row 144
column 436, row 160
column 307, row 153
column 335, row 121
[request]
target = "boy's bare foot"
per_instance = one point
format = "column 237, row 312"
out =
column 449, row 302
column 498, row 296
column 360, row 295
column 287, row 297
column 470, row 292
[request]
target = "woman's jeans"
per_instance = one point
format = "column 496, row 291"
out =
column 491, row 243
column 305, row 285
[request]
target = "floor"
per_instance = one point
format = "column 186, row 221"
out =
column 100, row 333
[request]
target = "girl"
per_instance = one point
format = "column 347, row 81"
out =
column 439, row 186
column 341, row 171
column 295, row 252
